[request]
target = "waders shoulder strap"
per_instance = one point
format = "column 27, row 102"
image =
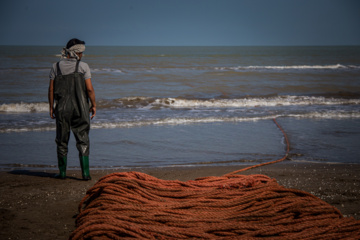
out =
column 58, row 71
column 77, row 66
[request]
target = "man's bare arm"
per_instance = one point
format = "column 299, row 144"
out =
column 51, row 98
column 91, row 94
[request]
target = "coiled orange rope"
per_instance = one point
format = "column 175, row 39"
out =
column 136, row 205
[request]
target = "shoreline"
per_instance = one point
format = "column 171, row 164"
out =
column 35, row 205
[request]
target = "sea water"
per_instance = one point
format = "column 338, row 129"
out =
column 186, row 106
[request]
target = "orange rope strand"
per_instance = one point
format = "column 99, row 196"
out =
column 272, row 162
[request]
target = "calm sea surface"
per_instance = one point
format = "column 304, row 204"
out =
column 186, row 106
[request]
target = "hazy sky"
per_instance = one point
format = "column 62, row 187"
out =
column 180, row 22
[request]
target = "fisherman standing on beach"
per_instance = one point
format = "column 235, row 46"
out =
column 71, row 88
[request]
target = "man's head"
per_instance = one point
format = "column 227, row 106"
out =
column 74, row 49
column 73, row 42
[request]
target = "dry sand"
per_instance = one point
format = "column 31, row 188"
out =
column 35, row 205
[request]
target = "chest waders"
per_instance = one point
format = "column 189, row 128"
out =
column 72, row 112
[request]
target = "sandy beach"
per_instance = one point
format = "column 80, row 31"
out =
column 35, row 205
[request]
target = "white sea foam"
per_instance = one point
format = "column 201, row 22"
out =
column 234, row 68
column 191, row 120
column 184, row 121
column 253, row 102
column 299, row 67
column 175, row 121
column 24, row 107
column 326, row 115
column 104, row 70
column 148, row 103
column 27, row 129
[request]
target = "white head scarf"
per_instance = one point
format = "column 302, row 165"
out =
column 78, row 48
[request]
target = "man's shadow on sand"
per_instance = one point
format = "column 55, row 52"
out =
column 41, row 174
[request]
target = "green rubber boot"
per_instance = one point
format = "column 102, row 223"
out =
column 62, row 161
column 84, row 163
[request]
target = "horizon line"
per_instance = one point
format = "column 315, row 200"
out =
column 90, row 45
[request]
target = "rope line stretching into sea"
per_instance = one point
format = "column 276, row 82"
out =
column 127, row 205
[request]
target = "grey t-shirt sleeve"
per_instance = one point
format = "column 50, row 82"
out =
column 84, row 68
column 52, row 72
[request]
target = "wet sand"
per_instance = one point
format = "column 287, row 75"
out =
column 35, row 205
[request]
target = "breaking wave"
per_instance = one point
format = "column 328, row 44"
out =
column 106, row 70
column 293, row 67
column 24, row 107
column 146, row 102
column 233, row 68
column 184, row 121
column 254, row 102
column 251, row 68
column 190, row 120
